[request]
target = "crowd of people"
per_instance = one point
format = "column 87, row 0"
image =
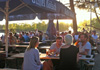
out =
column 68, row 46
column 21, row 37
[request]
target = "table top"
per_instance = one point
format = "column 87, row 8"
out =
column 94, row 48
column 2, row 51
column 17, row 45
column 8, row 69
column 83, row 57
column 21, row 55
column 50, row 40
column 43, row 56
column 29, row 43
column 44, row 47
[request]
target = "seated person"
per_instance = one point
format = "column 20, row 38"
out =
column 21, row 39
column 68, row 55
column 26, row 37
column 11, row 39
column 31, row 56
column 55, row 50
column 55, row 47
column 84, row 45
column 45, row 37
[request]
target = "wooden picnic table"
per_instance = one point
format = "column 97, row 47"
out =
column 94, row 48
column 21, row 55
column 43, row 56
column 8, row 69
column 17, row 45
column 44, row 47
column 83, row 57
column 27, row 43
column 2, row 51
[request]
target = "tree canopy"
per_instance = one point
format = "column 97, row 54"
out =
column 18, row 27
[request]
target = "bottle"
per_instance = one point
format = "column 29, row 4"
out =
column 76, row 43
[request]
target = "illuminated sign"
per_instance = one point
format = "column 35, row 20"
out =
column 51, row 4
column 39, row 2
column 3, row 0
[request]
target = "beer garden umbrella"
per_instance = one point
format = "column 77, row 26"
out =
column 17, row 7
column 57, row 26
column 51, row 30
column 8, row 8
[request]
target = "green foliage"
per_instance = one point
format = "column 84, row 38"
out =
column 64, row 26
column 31, row 27
column 86, row 24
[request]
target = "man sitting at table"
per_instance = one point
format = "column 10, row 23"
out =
column 84, row 45
column 55, row 49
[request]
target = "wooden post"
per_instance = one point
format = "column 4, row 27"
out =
column 6, row 31
column 74, row 19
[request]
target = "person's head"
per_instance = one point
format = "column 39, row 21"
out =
column 10, row 34
column 83, row 37
column 94, row 32
column 27, row 34
column 34, row 42
column 68, row 39
column 59, row 41
column 69, row 32
column 20, row 35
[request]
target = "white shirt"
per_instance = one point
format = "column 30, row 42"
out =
column 53, row 46
column 86, row 46
column 76, row 37
column 95, row 37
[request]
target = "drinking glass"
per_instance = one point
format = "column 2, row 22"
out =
column 47, row 52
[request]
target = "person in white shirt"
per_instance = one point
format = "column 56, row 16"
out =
column 31, row 34
column 55, row 50
column 94, row 36
column 55, row 47
column 84, row 45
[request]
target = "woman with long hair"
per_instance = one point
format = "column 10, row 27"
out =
column 31, row 56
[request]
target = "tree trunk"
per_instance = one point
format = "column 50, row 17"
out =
column 96, row 15
column 74, row 19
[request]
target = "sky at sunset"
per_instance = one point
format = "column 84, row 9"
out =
column 81, row 15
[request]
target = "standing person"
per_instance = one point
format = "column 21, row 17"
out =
column 95, row 37
column 84, row 45
column 36, row 32
column 62, row 35
column 76, row 36
column 68, row 55
column 31, row 56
